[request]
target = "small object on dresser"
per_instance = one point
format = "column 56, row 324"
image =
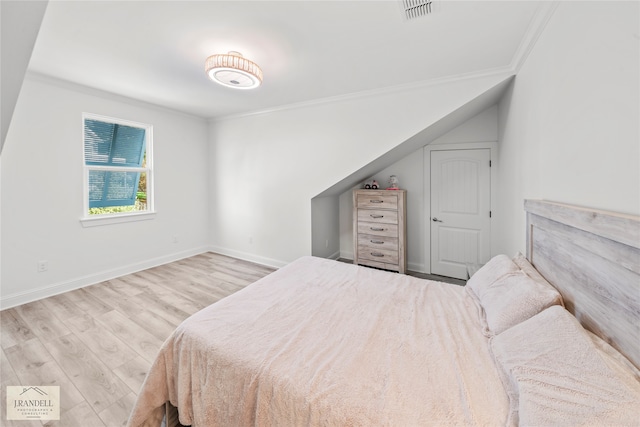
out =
column 393, row 183
column 371, row 185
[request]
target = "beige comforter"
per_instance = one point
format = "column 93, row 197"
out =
column 320, row 342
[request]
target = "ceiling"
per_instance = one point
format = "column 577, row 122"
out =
column 155, row 51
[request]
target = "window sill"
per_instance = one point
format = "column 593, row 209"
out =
column 116, row 219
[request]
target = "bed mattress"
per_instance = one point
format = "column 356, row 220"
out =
column 320, row 342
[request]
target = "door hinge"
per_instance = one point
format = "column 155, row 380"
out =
column 489, row 214
column 489, row 163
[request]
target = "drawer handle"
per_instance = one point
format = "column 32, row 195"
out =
column 377, row 254
column 376, row 229
column 376, row 201
column 376, row 216
column 377, row 242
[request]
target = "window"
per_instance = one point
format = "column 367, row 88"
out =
column 117, row 168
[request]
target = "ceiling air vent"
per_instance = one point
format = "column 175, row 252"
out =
column 416, row 8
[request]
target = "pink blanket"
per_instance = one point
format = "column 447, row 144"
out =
column 320, row 342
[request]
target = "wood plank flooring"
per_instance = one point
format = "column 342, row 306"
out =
column 97, row 343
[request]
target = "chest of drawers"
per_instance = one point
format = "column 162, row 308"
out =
column 379, row 229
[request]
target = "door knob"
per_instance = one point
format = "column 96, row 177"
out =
column 436, row 219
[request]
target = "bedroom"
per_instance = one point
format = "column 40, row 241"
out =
column 567, row 130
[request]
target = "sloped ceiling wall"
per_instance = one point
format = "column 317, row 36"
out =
column 327, row 234
column 422, row 138
column 266, row 169
column 20, row 25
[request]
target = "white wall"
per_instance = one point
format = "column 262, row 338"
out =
column 325, row 230
column 265, row 169
column 42, row 199
column 411, row 173
column 569, row 127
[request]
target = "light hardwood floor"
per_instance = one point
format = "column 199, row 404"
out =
column 97, row 343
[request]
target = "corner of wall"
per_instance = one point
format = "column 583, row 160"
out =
column 535, row 29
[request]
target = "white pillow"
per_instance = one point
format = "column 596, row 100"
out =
column 514, row 298
column 496, row 268
column 554, row 375
column 524, row 265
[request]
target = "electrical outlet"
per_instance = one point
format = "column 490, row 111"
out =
column 174, row 239
column 326, row 243
column 43, row 266
column 251, row 240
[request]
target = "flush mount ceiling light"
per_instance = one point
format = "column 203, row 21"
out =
column 232, row 70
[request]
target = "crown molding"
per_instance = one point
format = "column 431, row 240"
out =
column 88, row 90
column 493, row 72
column 534, row 30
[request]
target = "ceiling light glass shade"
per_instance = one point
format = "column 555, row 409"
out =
column 232, row 70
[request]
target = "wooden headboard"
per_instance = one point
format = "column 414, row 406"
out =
column 593, row 258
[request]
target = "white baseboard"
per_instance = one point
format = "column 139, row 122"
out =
column 346, row 254
column 8, row 301
column 269, row 262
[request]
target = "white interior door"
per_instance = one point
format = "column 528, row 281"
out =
column 460, row 210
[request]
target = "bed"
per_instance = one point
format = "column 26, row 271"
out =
column 548, row 339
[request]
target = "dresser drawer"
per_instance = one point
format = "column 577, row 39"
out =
column 389, row 256
column 378, row 229
column 376, row 264
column 378, row 216
column 372, row 201
column 377, row 242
